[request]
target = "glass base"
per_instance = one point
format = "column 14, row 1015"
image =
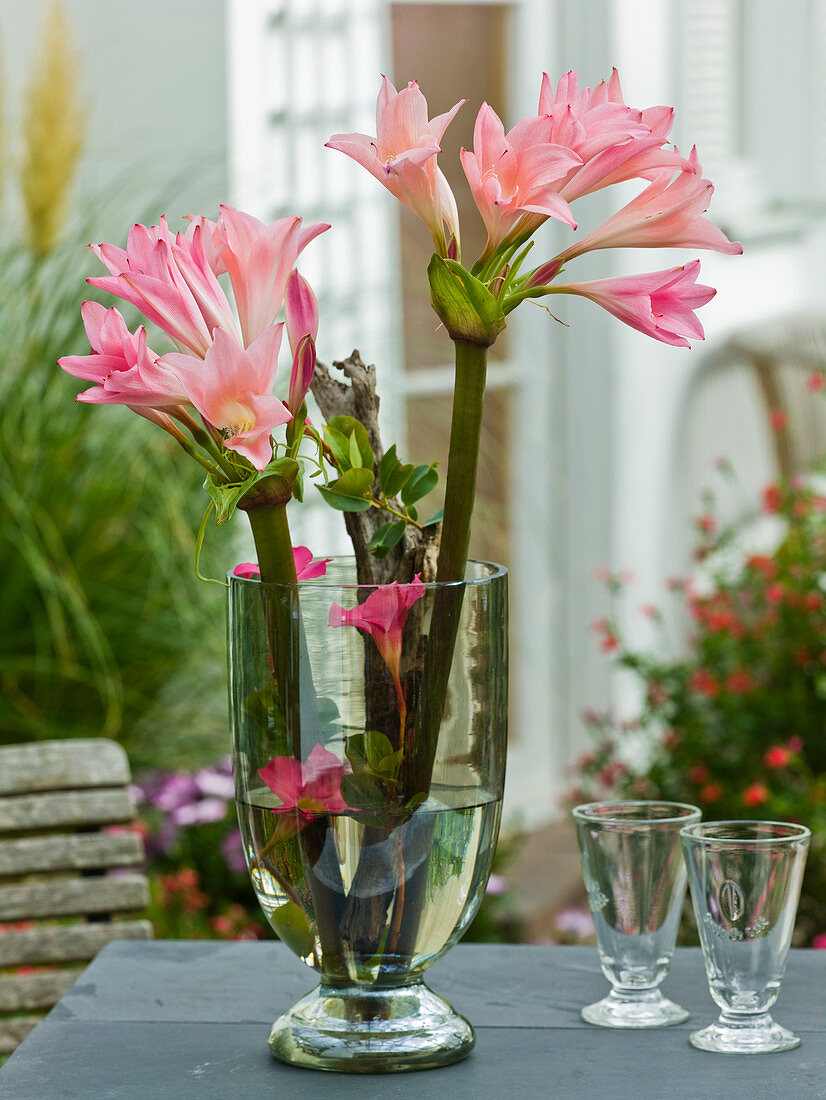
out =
column 648, row 1008
column 357, row 1029
column 745, row 1035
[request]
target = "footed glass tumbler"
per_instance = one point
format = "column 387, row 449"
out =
column 745, row 882
column 635, row 877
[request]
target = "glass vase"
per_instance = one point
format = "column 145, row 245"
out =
column 369, row 739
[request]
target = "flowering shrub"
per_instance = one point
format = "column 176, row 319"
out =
column 199, row 882
column 735, row 725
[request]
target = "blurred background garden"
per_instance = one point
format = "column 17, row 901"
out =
column 669, row 548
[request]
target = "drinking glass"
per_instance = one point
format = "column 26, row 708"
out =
column 745, row 882
column 635, row 877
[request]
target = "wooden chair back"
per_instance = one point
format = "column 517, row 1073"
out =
column 66, row 877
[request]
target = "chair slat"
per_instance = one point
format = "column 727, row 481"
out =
column 62, row 765
column 63, row 943
column 14, row 1030
column 23, row 992
column 68, row 897
column 68, row 809
column 70, row 852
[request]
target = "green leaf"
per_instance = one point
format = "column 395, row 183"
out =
column 355, row 453
column 346, row 426
column 226, row 497
column 386, row 537
column 421, row 482
column 435, row 518
column 363, row 791
column 293, row 927
column 298, row 484
column 377, row 746
column 465, row 306
column 351, row 492
column 339, row 445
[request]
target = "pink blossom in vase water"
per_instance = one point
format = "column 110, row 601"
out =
column 310, row 788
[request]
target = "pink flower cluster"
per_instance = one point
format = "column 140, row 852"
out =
column 224, row 367
column 580, row 141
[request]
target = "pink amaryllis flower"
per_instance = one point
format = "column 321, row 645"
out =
column 614, row 141
column 660, row 303
column 309, row 788
column 516, row 173
column 167, row 277
column 232, row 390
column 301, row 312
column 306, row 568
column 382, row 616
column 667, row 214
column 125, row 370
column 402, row 156
column 259, row 259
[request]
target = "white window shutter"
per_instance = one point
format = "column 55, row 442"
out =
column 300, row 71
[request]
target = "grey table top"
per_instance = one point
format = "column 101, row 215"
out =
column 169, row 1020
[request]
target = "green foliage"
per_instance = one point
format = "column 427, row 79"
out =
column 735, row 725
column 103, row 627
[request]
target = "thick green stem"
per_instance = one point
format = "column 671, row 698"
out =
column 271, row 532
column 463, row 460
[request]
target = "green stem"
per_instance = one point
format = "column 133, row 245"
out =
column 463, row 459
column 271, row 532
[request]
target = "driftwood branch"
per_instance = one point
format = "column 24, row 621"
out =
column 357, row 397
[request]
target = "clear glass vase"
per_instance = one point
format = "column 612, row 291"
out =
column 369, row 738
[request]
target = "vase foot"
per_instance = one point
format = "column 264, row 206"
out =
column 351, row 1029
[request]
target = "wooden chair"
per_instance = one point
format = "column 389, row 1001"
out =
column 57, row 857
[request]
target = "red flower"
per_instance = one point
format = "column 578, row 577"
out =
column 777, row 756
column 760, row 562
column 706, row 523
column 778, row 420
column 704, row 683
column 819, row 941
column 755, row 795
column 816, row 381
column 772, row 499
column 813, row 602
column 795, row 743
column 739, row 681
column 698, row 774
column 711, row 792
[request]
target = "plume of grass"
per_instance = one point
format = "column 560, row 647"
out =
column 52, row 133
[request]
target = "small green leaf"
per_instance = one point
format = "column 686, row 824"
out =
column 339, row 445
column 293, row 927
column 463, row 303
column 351, row 492
column 347, row 426
column 356, row 752
column 355, row 453
column 363, row 791
column 226, row 497
column 420, row 483
column 298, row 484
column 376, row 746
column 435, row 518
column 386, row 537
column 388, row 464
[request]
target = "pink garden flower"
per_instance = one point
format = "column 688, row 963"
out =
column 311, row 788
column 615, row 142
column 232, row 390
column 126, row 371
column 667, row 214
column 516, row 173
column 305, row 567
column 168, row 279
column 382, row 616
column 660, row 303
column 402, row 156
column 259, row 259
